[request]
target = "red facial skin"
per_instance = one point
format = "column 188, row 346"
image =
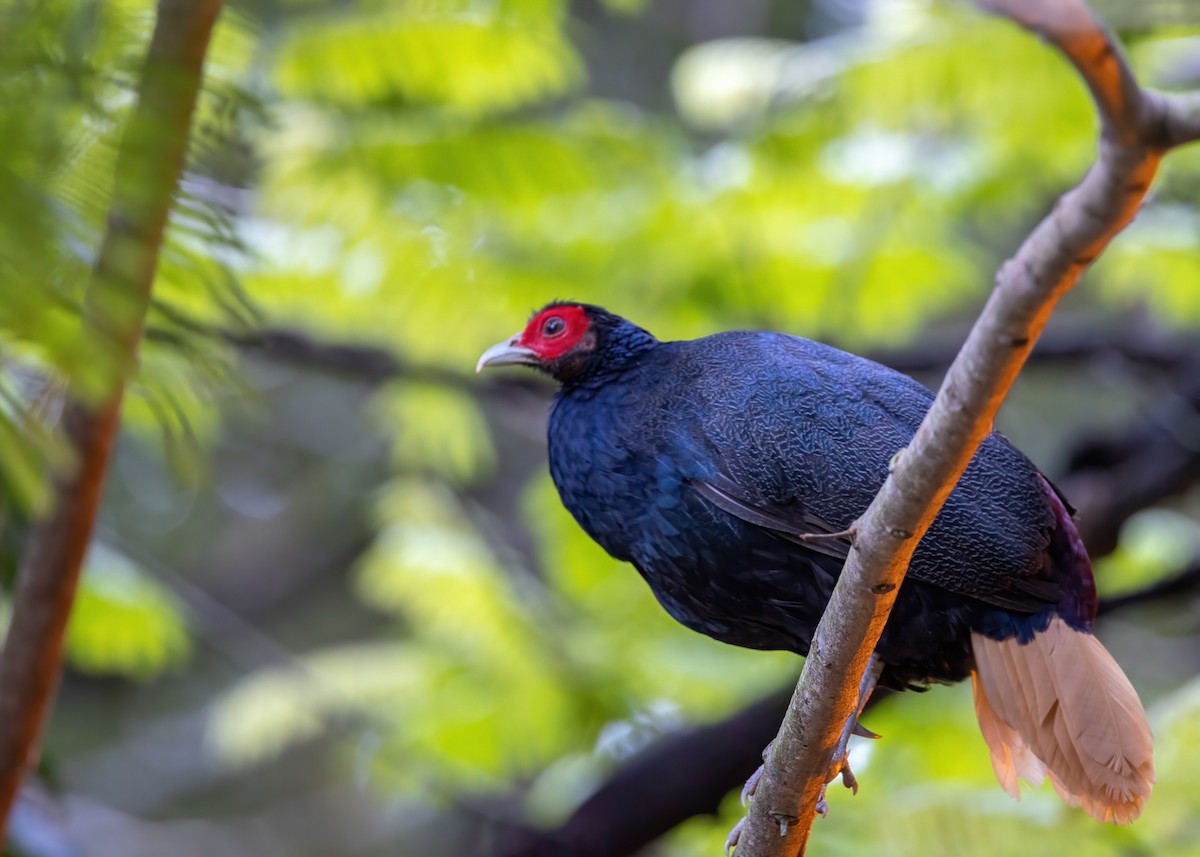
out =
column 555, row 331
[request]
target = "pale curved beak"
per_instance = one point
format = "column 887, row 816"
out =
column 507, row 353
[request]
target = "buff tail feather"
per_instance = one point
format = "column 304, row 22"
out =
column 1060, row 706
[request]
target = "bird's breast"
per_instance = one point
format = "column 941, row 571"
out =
column 619, row 472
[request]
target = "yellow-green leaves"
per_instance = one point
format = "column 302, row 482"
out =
column 1156, row 263
column 1155, row 544
column 475, row 692
column 66, row 89
column 1170, row 825
column 280, row 706
column 124, row 623
column 437, row 430
column 473, row 62
column 29, row 448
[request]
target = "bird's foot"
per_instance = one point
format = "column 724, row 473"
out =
column 748, row 791
column 839, row 766
column 731, row 840
column 751, row 786
column 785, row 823
column 840, row 763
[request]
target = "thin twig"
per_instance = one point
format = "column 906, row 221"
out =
column 151, row 158
column 1134, row 136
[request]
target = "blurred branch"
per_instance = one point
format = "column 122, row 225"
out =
column 151, row 158
column 372, row 364
column 1125, row 110
column 1138, row 342
column 690, row 773
column 1111, row 479
column 682, row 775
column 1182, row 117
column 1134, row 127
column 1186, row 582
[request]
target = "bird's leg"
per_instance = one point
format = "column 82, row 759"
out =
column 752, row 783
column 748, row 790
column 840, row 763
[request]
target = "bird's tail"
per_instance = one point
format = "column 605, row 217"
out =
column 1059, row 706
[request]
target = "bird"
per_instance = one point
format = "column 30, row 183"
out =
column 729, row 470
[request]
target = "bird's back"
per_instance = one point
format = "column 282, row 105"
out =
column 794, row 425
column 711, row 464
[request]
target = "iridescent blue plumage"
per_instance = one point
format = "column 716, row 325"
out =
column 710, row 465
column 701, row 462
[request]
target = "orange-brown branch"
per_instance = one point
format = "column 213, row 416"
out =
column 45, row 591
column 1137, row 128
column 152, row 157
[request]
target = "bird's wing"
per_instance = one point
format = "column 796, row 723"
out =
column 804, row 434
column 792, row 522
column 802, row 527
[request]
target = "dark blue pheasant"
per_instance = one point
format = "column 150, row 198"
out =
column 710, row 464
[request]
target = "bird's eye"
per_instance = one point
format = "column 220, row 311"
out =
column 553, row 326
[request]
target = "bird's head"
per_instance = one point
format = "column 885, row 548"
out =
column 570, row 341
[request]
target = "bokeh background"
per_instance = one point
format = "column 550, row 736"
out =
column 334, row 606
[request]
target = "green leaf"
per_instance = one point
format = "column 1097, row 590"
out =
column 437, row 430
column 1155, row 543
column 123, row 623
column 468, row 62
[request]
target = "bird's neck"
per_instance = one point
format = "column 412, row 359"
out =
column 622, row 348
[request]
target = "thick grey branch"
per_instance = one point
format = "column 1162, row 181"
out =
column 1046, row 266
column 1182, row 117
column 1072, row 28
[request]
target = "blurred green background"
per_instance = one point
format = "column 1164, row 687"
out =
column 334, row 606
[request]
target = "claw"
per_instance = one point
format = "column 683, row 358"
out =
column 862, row 731
column 731, row 840
column 848, row 535
column 839, row 765
column 848, row 779
column 751, row 786
column 748, row 791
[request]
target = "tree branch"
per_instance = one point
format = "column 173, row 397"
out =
column 1182, row 112
column 1106, row 479
column 1135, row 134
column 151, row 158
column 1138, row 344
column 1185, row 583
column 1111, row 479
column 690, row 773
column 680, row 776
